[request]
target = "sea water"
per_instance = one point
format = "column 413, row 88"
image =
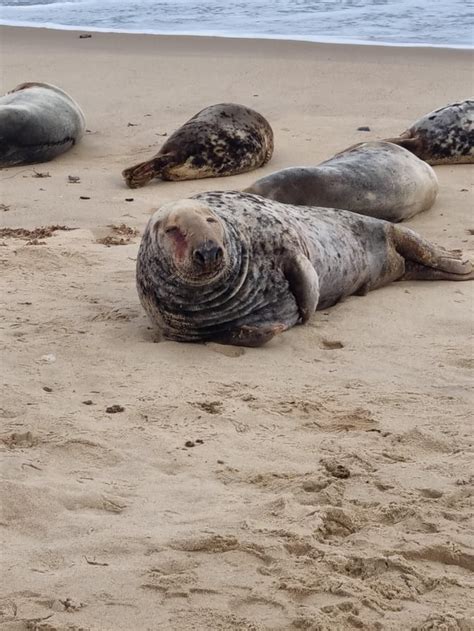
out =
column 447, row 23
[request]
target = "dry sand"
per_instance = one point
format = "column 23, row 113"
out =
column 109, row 520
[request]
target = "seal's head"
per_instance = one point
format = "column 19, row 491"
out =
column 191, row 237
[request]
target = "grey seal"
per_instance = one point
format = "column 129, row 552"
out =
column 236, row 268
column 222, row 139
column 377, row 178
column 444, row 136
column 38, row 121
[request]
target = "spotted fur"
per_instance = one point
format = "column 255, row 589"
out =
column 445, row 136
column 280, row 264
column 223, row 139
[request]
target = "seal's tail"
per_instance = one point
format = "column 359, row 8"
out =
column 142, row 173
column 427, row 261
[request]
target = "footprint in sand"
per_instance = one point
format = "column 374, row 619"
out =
column 19, row 440
column 228, row 351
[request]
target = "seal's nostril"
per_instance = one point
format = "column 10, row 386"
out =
column 199, row 257
column 208, row 254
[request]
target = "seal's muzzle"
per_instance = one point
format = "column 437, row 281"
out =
column 208, row 255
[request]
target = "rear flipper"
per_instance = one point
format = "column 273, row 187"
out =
column 408, row 141
column 142, row 173
column 426, row 261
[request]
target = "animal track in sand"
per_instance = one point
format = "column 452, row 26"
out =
column 46, row 259
column 79, row 453
column 171, row 562
column 337, row 522
column 318, row 414
column 444, row 622
column 331, row 617
column 12, row 409
column 19, row 440
column 116, row 313
column 284, row 514
column 280, row 481
column 421, row 440
column 228, row 351
column 93, row 501
column 170, row 585
column 442, row 553
column 212, row 618
column 215, row 543
column 207, row 543
column 262, row 608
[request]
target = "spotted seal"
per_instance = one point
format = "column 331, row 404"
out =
column 445, row 136
column 236, row 268
column 375, row 178
column 38, row 121
column 223, row 139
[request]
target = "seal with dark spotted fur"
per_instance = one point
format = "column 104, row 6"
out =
column 375, row 178
column 223, row 139
column 445, row 136
column 38, row 122
column 237, row 269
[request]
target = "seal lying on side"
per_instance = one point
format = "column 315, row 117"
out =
column 237, row 268
column 223, row 139
column 376, row 178
column 38, row 122
column 445, row 136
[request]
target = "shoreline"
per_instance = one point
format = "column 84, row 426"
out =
column 254, row 37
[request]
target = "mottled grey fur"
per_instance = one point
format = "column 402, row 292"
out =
column 445, row 136
column 280, row 264
column 223, row 139
column 38, row 122
column 376, row 178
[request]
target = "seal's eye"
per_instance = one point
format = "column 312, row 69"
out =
column 211, row 220
column 172, row 230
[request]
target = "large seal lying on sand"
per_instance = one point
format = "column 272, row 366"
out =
column 38, row 122
column 377, row 179
column 223, row 139
column 237, row 268
column 445, row 136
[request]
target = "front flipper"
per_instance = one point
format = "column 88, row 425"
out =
column 251, row 335
column 304, row 284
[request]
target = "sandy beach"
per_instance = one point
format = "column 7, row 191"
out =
column 321, row 483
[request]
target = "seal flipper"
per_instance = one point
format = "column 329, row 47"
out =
column 426, row 261
column 142, row 173
column 408, row 141
column 304, row 284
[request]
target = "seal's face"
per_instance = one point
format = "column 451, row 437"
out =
column 192, row 239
